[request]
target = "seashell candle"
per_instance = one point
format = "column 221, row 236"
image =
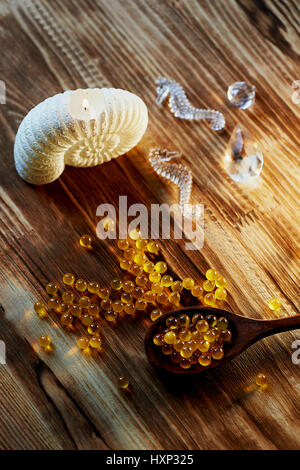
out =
column 79, row 128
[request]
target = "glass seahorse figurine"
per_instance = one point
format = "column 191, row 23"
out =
column 182, row 108
column 178, row 174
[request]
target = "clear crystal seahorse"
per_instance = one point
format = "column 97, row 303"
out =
column 178, row 174
column 182, row 108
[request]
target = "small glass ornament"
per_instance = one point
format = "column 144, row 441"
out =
column 241, row 94
column 243, row 158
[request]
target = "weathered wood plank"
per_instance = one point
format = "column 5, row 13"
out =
column 251, row 233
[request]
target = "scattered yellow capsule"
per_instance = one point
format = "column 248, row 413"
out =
column 44, row 341
column 155, row 314
column 157, row 288
column 106, row 304
column 274, row 304
column 93, row 287
column 205, row 360
column 138, row 292
column 94, row 310
column 166, row 281
column 150, row 296
column 136, row 269
column 174, row 298
column 54, row 304
column 104, row 293
column 220, row 281
column 125, row 264
column 129, row 308
column 86, row 241
column 221, row 293
column 123, row 382
column 197, row 291
column 141, row 243
column 177, row 286
column 153, row 247
column 141, row 304
column 140, row 259
column 154, row 276
column 128, row 286
column 83, row 342
column 66, row 319
column 126, row 297
column 52, row 288
column 161, row 267
column 208, row 286
column 148, row 267
column 123, row 244
column 141, row 280
column 39, row 308
column 134, row 234
column 68, row 279
column 162, row 298
column 118, row 306
column 116, row 284
column 81, row 285
column 209, row 299
column 84, row 302
column 158, row 339
column 211, row 274
column 95, row 342
column 261, row 379
column 110, row 316
column 188, row 283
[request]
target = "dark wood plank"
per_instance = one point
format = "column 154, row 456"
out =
column 251, row 233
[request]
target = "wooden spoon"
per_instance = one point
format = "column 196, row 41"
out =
column 245, row 332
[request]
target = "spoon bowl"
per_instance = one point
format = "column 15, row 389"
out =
column 245, row 332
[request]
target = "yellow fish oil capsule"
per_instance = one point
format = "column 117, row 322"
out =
column 86, row 241
column 68, row 279
column 66, row 319
column 261, row 379
column 95, row 342
column 123, row 382
column 155, row 314
column 128, row 286
column 83, row 343
column 166, row 281
column 93, row 287
column 40, row 309
column 161, row 267
column 81, row 285
column 123, row 244
column 44, row 341
column 52, row 288
column 274, row 304
column 116, row 284
column 188, row 283
column 68, row 297
column 84, row 302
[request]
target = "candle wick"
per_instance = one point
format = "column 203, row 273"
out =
column 85, row 104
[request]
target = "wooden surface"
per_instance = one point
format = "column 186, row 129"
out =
column 67, row 400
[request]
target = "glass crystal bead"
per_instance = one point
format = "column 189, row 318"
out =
column 243, row 157
column 241, row 95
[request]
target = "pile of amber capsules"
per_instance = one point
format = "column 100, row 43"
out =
column 199, row 340
column 145, row 287
column 151, row 285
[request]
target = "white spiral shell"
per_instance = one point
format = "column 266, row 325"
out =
column 53, row 134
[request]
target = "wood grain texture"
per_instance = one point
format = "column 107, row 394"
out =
column 66, row 400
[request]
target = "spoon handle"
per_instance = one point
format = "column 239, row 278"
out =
column 270, row 327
